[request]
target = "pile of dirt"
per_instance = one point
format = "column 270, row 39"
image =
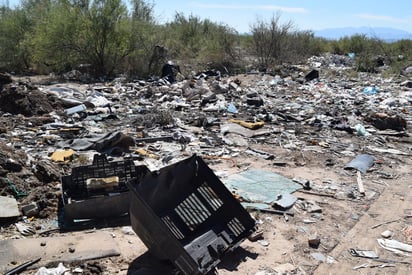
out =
column 26, row 100
column 29, row 183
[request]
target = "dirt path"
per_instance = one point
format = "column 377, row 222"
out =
column 391, row 208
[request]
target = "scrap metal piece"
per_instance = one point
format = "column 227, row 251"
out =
column 361, row 163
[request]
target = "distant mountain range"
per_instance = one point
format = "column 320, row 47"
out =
column 386, row 34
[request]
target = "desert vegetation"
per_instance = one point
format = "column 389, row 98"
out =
column 112, row 37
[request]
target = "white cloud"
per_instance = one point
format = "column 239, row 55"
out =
column 381, row 18
column 250, row 7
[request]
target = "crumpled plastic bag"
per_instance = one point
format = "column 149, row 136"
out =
column 59, row 270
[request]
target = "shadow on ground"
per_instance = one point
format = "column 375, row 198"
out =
column 147, row 264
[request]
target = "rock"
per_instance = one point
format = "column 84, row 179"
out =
column 387, row 234
column 314, row 241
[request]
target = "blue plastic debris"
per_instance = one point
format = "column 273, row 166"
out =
column 360, row 130
column 260, row 187
column 370, row 90
column 231, row 108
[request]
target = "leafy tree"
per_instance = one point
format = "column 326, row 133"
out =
column 15, row 26
column 97, row 33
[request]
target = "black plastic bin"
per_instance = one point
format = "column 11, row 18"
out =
column 81, row 202
column 185, row 214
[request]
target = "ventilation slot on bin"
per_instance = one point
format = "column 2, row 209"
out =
column 173, row 228
column 236, row 227
column 192, row 211
column 210, row 196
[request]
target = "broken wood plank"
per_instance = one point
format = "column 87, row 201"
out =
column 383, row 223
column 360, row 183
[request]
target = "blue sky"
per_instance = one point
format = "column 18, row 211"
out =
column 306, row 14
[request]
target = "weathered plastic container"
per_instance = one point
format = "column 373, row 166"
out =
column 75, row 109
column 185, row 214
column 83, row 198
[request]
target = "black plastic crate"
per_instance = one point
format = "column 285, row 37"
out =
column 185, row 214
column 81, row 202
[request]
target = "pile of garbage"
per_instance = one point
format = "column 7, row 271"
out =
column 48, row 130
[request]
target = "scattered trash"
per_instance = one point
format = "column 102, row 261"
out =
column 304, row 182
column 388, row 150
column 22, row 267
column 300, row 121
column 259, row 153
column 361, row 163
column 263, row 243
column 59, row 270
column 170, row 71
column 361, row 189
column 127, row 230
column 370, row 254
column 361, row 131
column 63, row 155
column 286, row 268
column 256, row 236
column 232, row 108
column 98, row 190
column 370, row 90
column 8, row 207
column 318, row 256
column 115, row 143
column 383, row 223
column 30, row 210
column 284, row 201
column 312, row 75
column 395, row 246
column 249, row 125
column 24, row 229
column 75, row 109
column 260, row 186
